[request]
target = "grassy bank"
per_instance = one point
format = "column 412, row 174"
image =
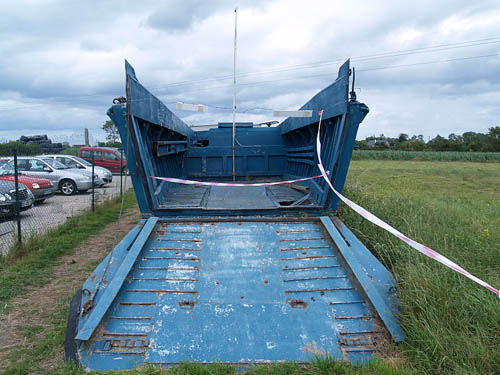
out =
column 452, row 324
column 426, row 155
column 27, row 265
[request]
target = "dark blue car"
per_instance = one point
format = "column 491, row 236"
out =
column 8, row 199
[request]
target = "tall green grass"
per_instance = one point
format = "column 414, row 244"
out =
column 26, row 265
column 426, row 155
column 452, row 324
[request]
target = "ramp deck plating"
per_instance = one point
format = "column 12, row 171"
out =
column 238, row 292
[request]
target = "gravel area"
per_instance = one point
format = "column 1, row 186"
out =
column 54, row 211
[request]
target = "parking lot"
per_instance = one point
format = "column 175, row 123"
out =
column 54, row 211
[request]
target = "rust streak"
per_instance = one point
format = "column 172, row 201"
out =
column 177, row 231
column 362, row 317
column 313, row 349
column 171, row 249
column 125, row 334
column 362, row 350
column 297, row 303
column 162, row 291
column 166, row 279
column 189, row 304
column 304, row 248
column 177, row 240
column 309, row 268
column 301, row 239
column 317, row 290
column 311, row 257
column 356, row 341
column 115, row 352
column 138, row 303
column 173, row 258
column 194, row 269
column 297, row 231
column 316, row 278
column 359, row 332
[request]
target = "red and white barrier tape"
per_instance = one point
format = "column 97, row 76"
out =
column 382, row 224
column 191, row 182
column 358, row 209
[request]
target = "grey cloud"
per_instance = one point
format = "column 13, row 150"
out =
column 67, row 58
column 173, row 15
column 92, row 45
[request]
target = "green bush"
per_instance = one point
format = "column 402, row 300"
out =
column 6, row 149
column 71, row 151
column 426, row 155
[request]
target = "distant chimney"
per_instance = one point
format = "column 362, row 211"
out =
column 87, row 143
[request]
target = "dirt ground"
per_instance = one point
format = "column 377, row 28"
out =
column 35, row 307
column 55, row 211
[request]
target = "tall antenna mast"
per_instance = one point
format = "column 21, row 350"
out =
column 234, row 88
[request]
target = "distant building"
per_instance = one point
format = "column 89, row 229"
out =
column 378, row 142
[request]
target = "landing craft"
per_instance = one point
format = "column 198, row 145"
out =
column 242, row 275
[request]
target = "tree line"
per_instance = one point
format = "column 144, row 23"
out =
column 467, row 142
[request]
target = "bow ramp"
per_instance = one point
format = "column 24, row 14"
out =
column 237, row 291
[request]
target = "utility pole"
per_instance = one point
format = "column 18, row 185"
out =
column 234, row 89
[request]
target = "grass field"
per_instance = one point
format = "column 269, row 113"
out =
column 426, row 155
column 452, row 325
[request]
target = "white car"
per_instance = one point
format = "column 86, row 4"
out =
column 68, row 181
column 104, row 175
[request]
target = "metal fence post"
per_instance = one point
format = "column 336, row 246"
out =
column 18, row 210
column 121, row 173
column 93, row 191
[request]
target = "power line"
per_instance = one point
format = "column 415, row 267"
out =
column 258, row 83
column 430, row 49
column 362, row 58
column 250, row 84
column 429, row 62
column 327, row 74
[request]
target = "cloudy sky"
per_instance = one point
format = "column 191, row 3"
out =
column 424, row 67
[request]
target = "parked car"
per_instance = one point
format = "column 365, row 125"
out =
column 67, row 181
column 107, row 157
column 71, row 161
column 8, row 199
column 41, row 188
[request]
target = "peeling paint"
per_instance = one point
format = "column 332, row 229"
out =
column 270, row 345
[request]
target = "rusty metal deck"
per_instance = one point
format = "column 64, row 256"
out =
column 238, row 292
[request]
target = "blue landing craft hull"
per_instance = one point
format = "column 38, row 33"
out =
column 246, row 275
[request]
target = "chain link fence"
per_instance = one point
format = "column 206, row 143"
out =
column 37, row 206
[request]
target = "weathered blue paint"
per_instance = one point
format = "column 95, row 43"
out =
column 238, row 275
column 260, row 152
column 114, row 286
column 149, row 131
column 357, row 258
column 333, row 100
column 105, row 271
column 118, row 114
column 142, row 104
column 277, row 290
column 164, row 148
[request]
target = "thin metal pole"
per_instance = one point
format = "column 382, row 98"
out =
column 121, row 173
column 93, row 192
column 234, row 88
column 18, row 211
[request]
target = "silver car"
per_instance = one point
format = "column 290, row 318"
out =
column 68, row 181
column 104, row 176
